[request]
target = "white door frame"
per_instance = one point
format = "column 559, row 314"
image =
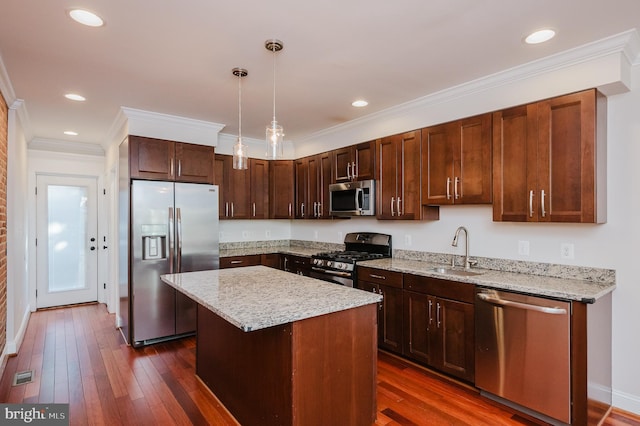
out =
column 58, row 163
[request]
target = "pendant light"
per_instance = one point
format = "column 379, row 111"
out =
column 274, row 133
column 240, row 159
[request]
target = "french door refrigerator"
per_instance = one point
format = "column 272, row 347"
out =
column 174, row 228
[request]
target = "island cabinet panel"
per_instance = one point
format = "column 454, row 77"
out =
column 439, row 325
column 549, row 160
column 159, row 159
column 320, row 370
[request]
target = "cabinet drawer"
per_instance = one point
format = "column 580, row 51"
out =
column 380, row 276
column 238, row 261
column 453, row 290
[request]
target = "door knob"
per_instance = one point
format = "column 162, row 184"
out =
column 92, row 248
column 92, row 239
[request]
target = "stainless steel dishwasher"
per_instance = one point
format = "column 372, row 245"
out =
column 522, row 351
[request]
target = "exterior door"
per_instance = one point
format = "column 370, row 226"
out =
column 66, row 240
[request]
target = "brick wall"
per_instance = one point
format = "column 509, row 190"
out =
column 4, row 118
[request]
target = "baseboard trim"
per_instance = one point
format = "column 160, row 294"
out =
column 626, row 401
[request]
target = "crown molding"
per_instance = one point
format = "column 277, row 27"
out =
column 165, row 126
column 626, row 44
column 6, row 89
column 67, row 147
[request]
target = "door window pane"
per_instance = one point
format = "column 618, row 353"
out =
column 67, row 225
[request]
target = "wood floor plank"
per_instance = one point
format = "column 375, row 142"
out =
column 78, row 355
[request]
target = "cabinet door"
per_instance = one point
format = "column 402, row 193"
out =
column 472, row 161
column 272, row 260
column 326, row 161
column 387, row 178
column 194, row 163
column 418, row 318
column 363, row 161
column 259, row 174
column 302, row 188
column 342, row 160
column 437, row 163
column 313, row 196
column 515, row 136
column 282, row 189
column 455, row 332
column 222, row 164
column 567, row 158
column 408, row 150
column 390, row 319
column 151, row 158
column 239, row 193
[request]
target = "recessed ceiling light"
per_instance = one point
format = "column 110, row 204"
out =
column 85, row 17
column 540, row 36
column 71, row 133
column 75, row 97
column 360, row 103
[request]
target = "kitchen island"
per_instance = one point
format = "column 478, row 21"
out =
column 281, row 349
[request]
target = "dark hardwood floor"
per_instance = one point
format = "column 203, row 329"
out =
column 79, row 357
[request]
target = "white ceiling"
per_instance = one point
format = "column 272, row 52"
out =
column 175, row 57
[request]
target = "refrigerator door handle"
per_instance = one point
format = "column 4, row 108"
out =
column 178, row 240
column 171, row 243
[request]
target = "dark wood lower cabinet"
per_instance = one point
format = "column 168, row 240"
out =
column 389, row 316
column 239, row 261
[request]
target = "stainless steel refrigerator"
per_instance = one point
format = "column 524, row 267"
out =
column 174, row 228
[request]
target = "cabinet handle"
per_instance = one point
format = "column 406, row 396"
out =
column 438, row 314
column 448, row 188
column 319, row 209
column 430, row 315
column 226, row 209
column 398, row 204
column 542, row 196
column 171, row 167
column 380, row 277
column 349, row 171
column 232, row 209
column 289, row 209
column 392, row 200
column 302, row 209
column 354, row 170
column 254, row 209
column 235, row 262
column 531, row 203
column 455, row 188
column 316, row 210
column 179, row 167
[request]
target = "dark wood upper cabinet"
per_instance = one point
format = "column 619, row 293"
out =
column 313, row 176
column 259, row 188
column 235, row 189
column 282, row 189
column 355, row 162
column 160, row 159
column 398, row 177
column 456, row 161
column 550, row 162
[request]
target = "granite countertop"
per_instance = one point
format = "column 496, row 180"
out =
column 256, row 297
column 582, row 290
column 247, row 251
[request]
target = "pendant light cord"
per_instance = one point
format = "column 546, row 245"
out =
column 240, row 106
column 273, row 49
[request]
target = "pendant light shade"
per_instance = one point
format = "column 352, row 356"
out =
column 240, row 157
column 274, row 134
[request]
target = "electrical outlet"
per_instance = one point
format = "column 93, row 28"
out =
column 407, row 240
column 567, row 251
column 267, row 233
column 315, row 235
column 245, row 235
column 523, row 248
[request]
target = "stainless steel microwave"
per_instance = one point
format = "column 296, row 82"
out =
column 352, row 198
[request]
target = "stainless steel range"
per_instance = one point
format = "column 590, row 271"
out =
column 339, row 267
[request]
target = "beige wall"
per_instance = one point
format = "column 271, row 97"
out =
column 4, row 119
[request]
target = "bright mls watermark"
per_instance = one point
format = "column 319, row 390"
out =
column 37, row 414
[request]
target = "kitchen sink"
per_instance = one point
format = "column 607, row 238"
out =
column 458, row 272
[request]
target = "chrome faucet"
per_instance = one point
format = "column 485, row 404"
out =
column 454, row 243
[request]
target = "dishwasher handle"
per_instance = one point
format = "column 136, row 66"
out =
column 502, row 302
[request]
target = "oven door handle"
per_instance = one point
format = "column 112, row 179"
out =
column 336, row 273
